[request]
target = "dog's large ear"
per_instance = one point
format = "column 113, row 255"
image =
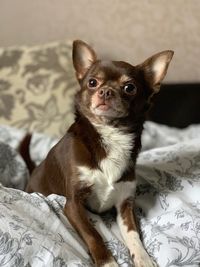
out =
column 155, row 68
column 83, row 58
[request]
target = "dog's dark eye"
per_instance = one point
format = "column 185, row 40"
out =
column 92, row 83
column 130, row 89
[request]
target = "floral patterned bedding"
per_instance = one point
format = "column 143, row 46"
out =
column 34, row 231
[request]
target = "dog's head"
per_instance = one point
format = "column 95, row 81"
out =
column 113, row 90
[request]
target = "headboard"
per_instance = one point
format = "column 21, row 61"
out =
column 177, row 105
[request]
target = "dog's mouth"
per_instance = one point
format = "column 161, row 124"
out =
column 103, row 106
column 106, row 109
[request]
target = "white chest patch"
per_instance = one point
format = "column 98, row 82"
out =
column 105, row 192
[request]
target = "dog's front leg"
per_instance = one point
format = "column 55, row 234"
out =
column 127, row 224
column 76, row 214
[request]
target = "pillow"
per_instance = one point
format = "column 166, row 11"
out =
column 13, row 169
column 37, row 85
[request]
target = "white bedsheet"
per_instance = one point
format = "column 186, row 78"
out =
column 34, row 231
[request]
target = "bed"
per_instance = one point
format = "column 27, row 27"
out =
column 34, row 231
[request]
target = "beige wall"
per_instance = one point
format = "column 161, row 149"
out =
column 131, row 29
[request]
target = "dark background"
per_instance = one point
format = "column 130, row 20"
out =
column 177, row 105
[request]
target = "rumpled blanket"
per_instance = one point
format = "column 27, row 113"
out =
column 34, row 231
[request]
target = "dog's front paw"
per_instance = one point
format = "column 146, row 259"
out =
column 143, row 260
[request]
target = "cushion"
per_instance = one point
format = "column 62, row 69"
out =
column 37, row 85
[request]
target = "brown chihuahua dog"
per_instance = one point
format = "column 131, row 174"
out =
column 93, row 165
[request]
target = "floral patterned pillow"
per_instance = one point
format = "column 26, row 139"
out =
column 37, row 85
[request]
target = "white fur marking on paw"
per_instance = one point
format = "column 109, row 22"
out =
column 135, row 246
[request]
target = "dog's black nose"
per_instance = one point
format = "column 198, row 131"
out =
column 105, row 93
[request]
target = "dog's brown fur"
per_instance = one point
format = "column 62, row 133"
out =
column 82, row 144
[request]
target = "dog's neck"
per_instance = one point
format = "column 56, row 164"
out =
column 92, row 132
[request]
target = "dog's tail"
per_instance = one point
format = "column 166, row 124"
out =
column 24, row 150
